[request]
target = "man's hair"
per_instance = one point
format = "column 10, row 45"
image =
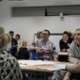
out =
column 2, row 31
column 67, row 33
column 47, row 31
column 18, row 35
column 39, row 32
column 11, row 32
column 78, row 29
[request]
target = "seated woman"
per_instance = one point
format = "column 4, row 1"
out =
column 65, row 42
column 9, row 67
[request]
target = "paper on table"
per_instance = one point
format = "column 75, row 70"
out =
column 63, row 53
column 34, row 62
column 21, row 65
column 54, row 67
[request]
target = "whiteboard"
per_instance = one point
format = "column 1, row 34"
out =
column 55, row 39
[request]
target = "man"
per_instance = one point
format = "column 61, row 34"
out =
column 17, row 37
column 14, row 44
column 45, row 47
column 74, row 51
column 74, row 55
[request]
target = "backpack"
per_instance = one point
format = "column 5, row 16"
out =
column 23, row 53
column 35, row 56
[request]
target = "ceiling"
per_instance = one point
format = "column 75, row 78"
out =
column 46, row 2
column 40, row 2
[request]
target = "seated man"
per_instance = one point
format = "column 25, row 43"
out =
column 74, row 57
column 74, row 54
column 44, row 47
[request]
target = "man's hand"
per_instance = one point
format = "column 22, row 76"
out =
column 74, row 68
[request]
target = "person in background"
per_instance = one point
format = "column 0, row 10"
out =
column 14, row 44
column 65, row 42
column 39, row 37
column 71, row 37
column 17, row 37
column 9, row 67
column 23, row 51
column 45, row 47
column 74, row 57
column 33, row 54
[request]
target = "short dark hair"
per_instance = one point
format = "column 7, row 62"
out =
column 67, row 33
column 11, row 32
column 47, row 31
column 18, row 35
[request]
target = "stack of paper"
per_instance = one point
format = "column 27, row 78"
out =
column 54, row 67
column 34, row 62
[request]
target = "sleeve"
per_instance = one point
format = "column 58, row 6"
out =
column 72, row 50
column 9, row 45
column 54, row 50
column 61, row 44
column 15, row 68
column 9, row 67
column 72, row 54
column 16, row 42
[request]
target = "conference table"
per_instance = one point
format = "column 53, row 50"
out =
column 40, row 70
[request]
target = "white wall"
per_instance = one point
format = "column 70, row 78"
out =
column 27, row 26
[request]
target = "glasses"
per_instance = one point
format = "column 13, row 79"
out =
column 45, row 34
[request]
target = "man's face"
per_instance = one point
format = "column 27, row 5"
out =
column 17, row 37
column 45, row 35
column 11, row 34
column 77, row 36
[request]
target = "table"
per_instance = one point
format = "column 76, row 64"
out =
column 35, row 73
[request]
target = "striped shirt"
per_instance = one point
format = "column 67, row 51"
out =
column 46, row 46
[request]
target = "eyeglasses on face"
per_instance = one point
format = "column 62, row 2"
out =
column 45, row 34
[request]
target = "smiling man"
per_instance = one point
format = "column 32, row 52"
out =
column 46, row 47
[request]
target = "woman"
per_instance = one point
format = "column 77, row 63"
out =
column 9, row 67
column 65, row 42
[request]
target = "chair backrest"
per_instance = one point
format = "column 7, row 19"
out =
column 23, row 53
column 63, row 56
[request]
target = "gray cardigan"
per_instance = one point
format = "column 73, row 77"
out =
column 74, row 52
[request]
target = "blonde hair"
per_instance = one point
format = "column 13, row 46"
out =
column 78, row 29
column 38, row 34
column 5, row 38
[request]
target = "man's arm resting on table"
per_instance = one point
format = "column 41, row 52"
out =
column 55, row 58
column 74, row 68
column 73, row 60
